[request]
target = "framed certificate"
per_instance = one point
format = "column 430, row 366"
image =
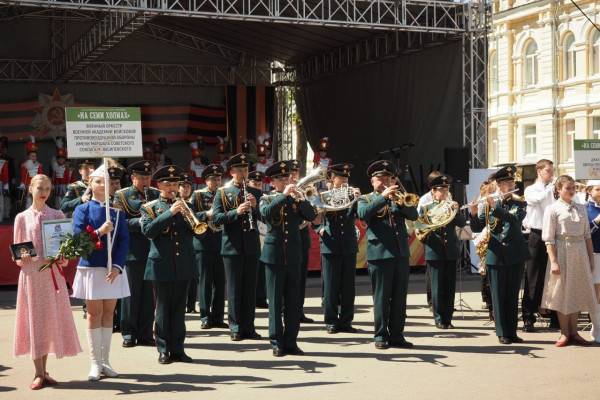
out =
column 53, row 234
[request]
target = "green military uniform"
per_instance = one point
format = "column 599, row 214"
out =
column 441, row 253
column 211, row 272
column 507, row 252
column 261, row 291
column 137, row 311
column 73, row 197
column 240, row 248
column 338, row 262
column 282, row 252
column 170, row 266
column 387, row 255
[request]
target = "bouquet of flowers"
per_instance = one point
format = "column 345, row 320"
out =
column 74, row 246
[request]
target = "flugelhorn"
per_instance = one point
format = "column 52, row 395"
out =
column 402, row 198
column 495, row 196
column 197, row 226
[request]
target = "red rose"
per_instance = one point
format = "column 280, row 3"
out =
column 89, row 229
column 99, row 245
column 94, row 236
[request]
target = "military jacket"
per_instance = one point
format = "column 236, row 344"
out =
column 202, row 201
column 442, row 243
column 338, row 232
column 73, row 197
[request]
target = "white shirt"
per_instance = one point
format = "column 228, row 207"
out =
column 538, row 197
column 424, row 200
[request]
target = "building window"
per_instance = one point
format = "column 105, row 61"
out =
column 494, row 147
column 531, row 64
column 595, row 53
column 569, row 57
column 529, row 140
column 568, row 140
column 596, row 128
column 493, row 72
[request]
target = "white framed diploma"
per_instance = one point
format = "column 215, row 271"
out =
column 54, row 232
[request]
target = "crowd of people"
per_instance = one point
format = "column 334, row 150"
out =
column 177, row 238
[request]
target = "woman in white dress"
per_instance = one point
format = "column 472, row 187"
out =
column 569, row 287
column 96, row 283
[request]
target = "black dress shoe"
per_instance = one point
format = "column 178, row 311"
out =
column 236, row 337
column 147, row 342
column 219, row 325
column 305, row 320
column 262, row 304
column 528, row 327
column 278, row 352
column 504, row 340
column 516, row 339
column 331, row 329
column 184, row 358
column 403, row 344
column 382, row 345
column 128, row 343
column 253, row 336
column 163, row 358
column 439, row 325
column 348, row 329
column 296, row 351
column 204, row 325
column 449, row 326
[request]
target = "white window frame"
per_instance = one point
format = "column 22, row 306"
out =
column 595, row 53
column 569, row 57
column 530, row 74
column 596, row 127
column 494, row 81
column 569, row 137
column 527, row 136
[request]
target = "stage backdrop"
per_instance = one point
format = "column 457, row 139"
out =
column 414, row 98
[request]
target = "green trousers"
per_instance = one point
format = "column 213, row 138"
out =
column 211, row 286
column 389, row 281
column 505, row 282
column 443, row 289
column 171, row 298
column 339, row 271
column 241, row 273
column 283, row 287
column 261, row 291
column 137, row 310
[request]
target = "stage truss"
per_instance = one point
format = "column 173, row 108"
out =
column 398, row 27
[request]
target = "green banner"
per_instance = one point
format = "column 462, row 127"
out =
column 104, row 114
column 587, row 144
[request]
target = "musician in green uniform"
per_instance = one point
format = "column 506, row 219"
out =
column 207, row 247
column 306, row 243
column 185, row 192
column 507, row 252
column 283, row 210
column 166, row 222
column 255, row 180
column 338, row 256
column 387, row 254
column 77, row 192
column 235, row 207
column 441, row 248
column 137, row 311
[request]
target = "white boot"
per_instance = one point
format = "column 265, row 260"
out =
column 595, row 332
column 106, row 367
column 95, row 343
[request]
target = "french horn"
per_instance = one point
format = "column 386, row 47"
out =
column 434, row 218
column 334, row 199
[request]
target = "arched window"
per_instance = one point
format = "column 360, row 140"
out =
column 569, row 58
column 493, row 72
column 595, row 53
column 530, row 73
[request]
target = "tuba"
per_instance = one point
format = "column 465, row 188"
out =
column 197, row 226
column 335, row 199
column 434, row 218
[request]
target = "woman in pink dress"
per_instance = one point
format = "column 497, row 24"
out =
column 44, row 321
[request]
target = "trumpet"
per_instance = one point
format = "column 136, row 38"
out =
column 402, row 198
column 197, row 226
column 495, row 196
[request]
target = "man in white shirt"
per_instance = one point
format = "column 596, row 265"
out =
column 538, row 196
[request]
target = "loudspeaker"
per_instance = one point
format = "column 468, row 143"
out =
column 456, row 161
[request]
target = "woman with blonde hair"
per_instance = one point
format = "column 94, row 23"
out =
column 44, row 321
column 569, row 287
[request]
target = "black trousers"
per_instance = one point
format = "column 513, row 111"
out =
column 137, row 310
column 535, row 274
column 505, row 282
column 339, row 271
column 443, row 289
column 171, row 299
column 241, row 273
column 283, row 287
column 211, row 286
column 303, row 274
column 261, row 291
column 192, row 294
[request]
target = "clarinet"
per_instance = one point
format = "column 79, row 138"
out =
column 251, row 224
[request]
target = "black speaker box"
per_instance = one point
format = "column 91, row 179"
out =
column 456, row 161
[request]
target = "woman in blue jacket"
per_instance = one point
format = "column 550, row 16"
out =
column 96, row 283
column 593, row 212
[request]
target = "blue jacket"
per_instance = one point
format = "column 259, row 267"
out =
column 593, row 211
column 93, row 213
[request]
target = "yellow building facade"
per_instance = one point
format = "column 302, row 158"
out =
column 543, row 80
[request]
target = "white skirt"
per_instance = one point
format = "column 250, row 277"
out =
column 90, row 284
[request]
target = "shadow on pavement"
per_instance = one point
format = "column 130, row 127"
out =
column 296, row 385
column 290, row 364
